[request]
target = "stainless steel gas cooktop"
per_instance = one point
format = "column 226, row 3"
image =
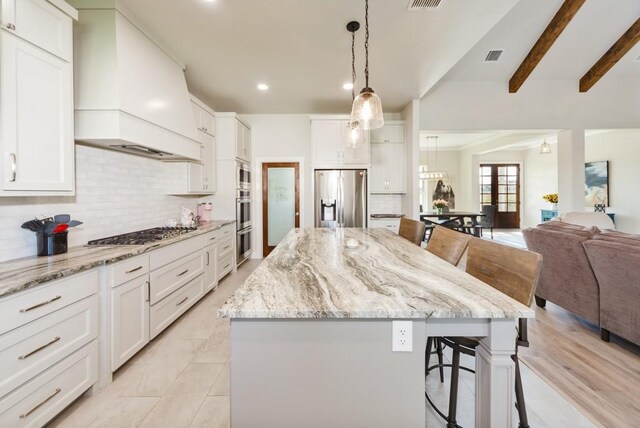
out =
column 142, row 237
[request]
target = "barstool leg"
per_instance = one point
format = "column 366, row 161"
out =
column 427, row 355
column 453, row 394
column 520, row 404
column 440, row 358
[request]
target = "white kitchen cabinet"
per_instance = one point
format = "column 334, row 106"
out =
column 36, row 103
column 392, row 224
column 200, row 177
column 233, row 138
column 388, row 160
column 129, row 320
column 211, row 265
column 42, row 24
column 331, row 145
column 243, row 142
column 205, row 118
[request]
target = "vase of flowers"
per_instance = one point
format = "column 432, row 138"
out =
column 440, row 205
column 552, row 198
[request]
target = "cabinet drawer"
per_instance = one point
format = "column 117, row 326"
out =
column 168, row 310
column 168, row 279
column 164, row 256
column 38, row 401
column 40, row 23
column 32, row 348
column 21, row 308
column 129, row 269
column 225, row 265
column 211, row 237
column 228, row 230
column 225, row 246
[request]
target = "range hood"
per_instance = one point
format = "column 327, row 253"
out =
column 130, row 95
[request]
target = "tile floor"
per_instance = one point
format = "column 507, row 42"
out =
column 181, row 379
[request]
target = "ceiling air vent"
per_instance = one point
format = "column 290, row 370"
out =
column 424, row 5
column 493, row 55
column 637, row 59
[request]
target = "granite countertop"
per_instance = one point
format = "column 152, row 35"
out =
column 21, row 274
column 311, row 274
column 375, row 216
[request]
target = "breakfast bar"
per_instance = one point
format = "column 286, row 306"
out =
column 311, row 333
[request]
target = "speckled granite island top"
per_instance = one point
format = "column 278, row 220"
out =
column 311, row 274
column 21, row 274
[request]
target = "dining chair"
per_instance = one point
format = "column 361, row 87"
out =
column 487, row 221
column 514, row 272
column 412, row 230
column 448, row 244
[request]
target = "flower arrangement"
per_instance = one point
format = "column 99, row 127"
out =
column 440, row 203
column 551, row 197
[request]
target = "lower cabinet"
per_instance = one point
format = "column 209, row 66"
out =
column 129, row 320
column 165, row 312
column 392, row 224
column 38, row 401
column 210, row 267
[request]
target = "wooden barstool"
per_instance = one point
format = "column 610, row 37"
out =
column 412, row 230
column 514, row 272
column 448, row 244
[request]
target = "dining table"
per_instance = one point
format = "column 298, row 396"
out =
column 454, row 219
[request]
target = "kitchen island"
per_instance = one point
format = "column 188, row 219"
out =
column 311, row 333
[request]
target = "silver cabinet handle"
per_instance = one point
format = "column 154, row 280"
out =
column 30, row 308
column 22, row 357
column 133, row 270
column 208, row 260
column 148, row 291
column 212, row 239
column 182, row 301
column 25, row 415
column 14, row 164
column 182, row 273
column 226, row 266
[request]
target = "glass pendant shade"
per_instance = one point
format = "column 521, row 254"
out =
column 356, row 135
column 367, row 110
column 545, row 148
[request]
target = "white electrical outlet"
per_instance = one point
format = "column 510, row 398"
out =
column 402, row 338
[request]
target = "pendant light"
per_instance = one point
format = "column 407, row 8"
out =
column 436, row 175
column 356, row 134
column 545, row 148
column 367, row 107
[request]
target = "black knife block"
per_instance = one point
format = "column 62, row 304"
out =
column 50, row 245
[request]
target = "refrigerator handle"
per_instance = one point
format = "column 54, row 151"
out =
column 364, row 199
column 340, row 202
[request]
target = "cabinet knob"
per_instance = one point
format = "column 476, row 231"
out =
column 10, row 26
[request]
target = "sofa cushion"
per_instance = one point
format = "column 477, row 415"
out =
column 621, row 237
column 574, row 229
column 583, row 218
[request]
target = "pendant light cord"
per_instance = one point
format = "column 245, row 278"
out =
column 366, row 43
column 353, row 65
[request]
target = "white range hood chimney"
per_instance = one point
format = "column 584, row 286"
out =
column 129, row 93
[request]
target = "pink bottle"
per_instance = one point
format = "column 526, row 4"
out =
column 204, row 212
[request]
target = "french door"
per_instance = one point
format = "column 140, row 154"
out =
column 500, row 186
column 280, row 202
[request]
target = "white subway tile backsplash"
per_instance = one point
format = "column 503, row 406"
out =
column 385, row 204
column 115, row 193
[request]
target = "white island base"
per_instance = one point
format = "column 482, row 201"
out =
column 342, row 373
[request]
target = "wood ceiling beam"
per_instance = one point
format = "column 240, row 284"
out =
column 611, row 57
column 563, row 16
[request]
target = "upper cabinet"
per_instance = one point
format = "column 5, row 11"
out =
column 36, row 98
column 388, row 159
column 234, row 138
column 332, row 145
column 205, row 119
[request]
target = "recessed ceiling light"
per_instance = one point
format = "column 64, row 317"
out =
column 263, row 86
column 347, row 86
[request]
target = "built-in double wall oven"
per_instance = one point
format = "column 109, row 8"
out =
column 243, row 211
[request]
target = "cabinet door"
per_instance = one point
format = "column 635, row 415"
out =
column 239, row 137
column 326, row 137
column 208, row 161
column 129, row 320
column 396, row 168
column 211, row 267
column 208, row 122
column 390, row 133
column 358, row 155
column 36, row 115
column 378, row 172
column 196, row 180
column 246, row 143
column 40, row 23
column 197, row 114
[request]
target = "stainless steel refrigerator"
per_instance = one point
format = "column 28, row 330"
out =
column 340, row 198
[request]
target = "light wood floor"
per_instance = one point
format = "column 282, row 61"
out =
column 601, row 379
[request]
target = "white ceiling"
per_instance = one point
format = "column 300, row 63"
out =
column 454, row 141
column 594, row 29
column 485, row 141
column 301, row 48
